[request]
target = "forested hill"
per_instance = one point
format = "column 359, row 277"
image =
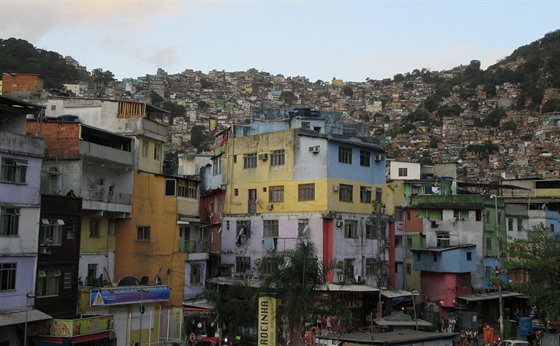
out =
column 20, row 56
column 535, row 67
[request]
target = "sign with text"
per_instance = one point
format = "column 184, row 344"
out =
column 267, row 320
column 128, row 295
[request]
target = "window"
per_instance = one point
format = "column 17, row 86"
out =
column 345, row 193
column 371, row 267
column 276, row 194
column 464, row 281
column 303, row 228
column 277, row 157
column 510, row 224
column 67, row 279
column 379, row 195
column 9, row 221
column 365, row 194
column 187, row 189
column 13, row 171
column 145, row 148
column 7, row 276
column 409, row 242
column 519, row 224
column 442, row 239
column 91, row 271
column 488, row 244
column 51, row 232
column 270, row 265
column 349, row 268
column 243, row 231
column 157, row 152
column 48, row 282
column 403, row 172
column 196, row 271
column 365, row 158
column 344, row 154
column 270, row 228
column 469, row 256
column 306, row 192
column 70, row 229
column 350, row 229
column 170, row 187
column 94, row 228
column 217, row 166
column 143, row 233
column 370, row 231
column 408, row 269
column 250, row 160
column 242, row 264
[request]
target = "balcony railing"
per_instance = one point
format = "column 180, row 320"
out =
column 194, row 246
column 100, row 195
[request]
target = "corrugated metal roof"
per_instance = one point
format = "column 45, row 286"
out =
column 347, row 288
column 490, row 296
column 8, row 318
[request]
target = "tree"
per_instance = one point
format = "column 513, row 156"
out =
column 288, row 97
column 156, row 98
column 551, row 106
column 296, row 275
column 200, row 139
column 347, row 91
column 539, row 259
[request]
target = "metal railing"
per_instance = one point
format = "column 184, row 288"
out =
column 101, row 195
column 192, row 246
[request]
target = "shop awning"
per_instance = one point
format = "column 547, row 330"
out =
column 196, row 306
column 396, row 293
column 490, row 296
column 58, row 340
column 8, row 318
column 347, row 288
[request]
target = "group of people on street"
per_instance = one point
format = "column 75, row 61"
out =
column 468, row 337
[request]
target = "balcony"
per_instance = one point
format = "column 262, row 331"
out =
column 197, row 249
column 22, row 144
column 124, row 159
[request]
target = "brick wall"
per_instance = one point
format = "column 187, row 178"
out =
column 21, row 82
column 61, row 139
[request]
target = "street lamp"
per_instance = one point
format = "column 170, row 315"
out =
column 142, row 291
column 500, row 300
column 27, row 296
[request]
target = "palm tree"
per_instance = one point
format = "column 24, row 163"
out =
column 295, row 276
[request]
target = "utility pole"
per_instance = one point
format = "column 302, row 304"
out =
column 498, row 272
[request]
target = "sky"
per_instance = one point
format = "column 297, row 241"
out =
column 350, row 40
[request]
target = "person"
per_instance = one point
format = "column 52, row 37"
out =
column 462, row 336
column 475, row 337
column 452, row 323
column 469, row 337
column 71, row 194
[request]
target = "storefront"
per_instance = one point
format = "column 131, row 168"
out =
column 90, row 331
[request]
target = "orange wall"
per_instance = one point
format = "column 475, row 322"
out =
column 21, row 82
column 160, row 255
column 61, row 139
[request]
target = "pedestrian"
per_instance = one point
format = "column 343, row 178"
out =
column 462, row 337
column 469, row 336
column 475, row 337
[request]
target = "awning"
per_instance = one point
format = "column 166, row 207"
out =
column 396, row 293
column 347, row 288
column 196, row 307
column 58, row 340
column 8, row 318
column 490, row 296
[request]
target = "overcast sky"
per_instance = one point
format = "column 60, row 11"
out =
column 349, row 40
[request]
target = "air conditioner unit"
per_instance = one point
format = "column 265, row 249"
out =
column 339, row 223
column 358, row 278
column 314, row 149
column 379, row 157
column 45, row 251
column 263, row 157
column 270, row 206
column 383, row 210
column 335, row 188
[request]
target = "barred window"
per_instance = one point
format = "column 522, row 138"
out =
column 48, row 282
column 277, row 157
column 276, row 194
column 371, row 267
column 365, row 158
column 94, row 228
column 7, row 276
column 345, row 193
column 344, row 154
column 250, row 160
column 195, row 277
column 350, row 229
column 51, row 232
column 242, row 264
column 13, row 171
column 270, row 228
column 370, row 231
column 9, row 221
column 365, row 194
column 306, row 192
